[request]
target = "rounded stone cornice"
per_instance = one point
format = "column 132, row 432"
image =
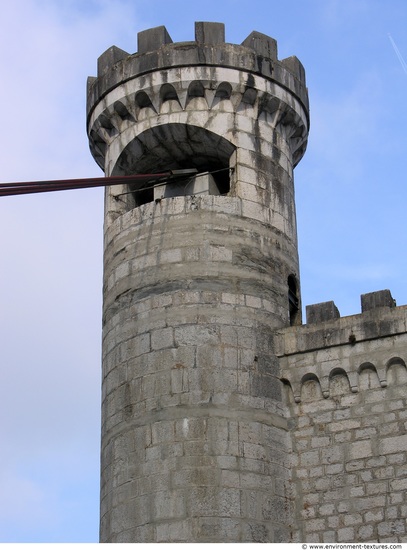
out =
column 202, row 96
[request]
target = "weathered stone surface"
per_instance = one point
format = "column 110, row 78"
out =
column 220, row 422
column 209, row 33
column 318, row 313
column 109, row 58
column 382, row 298
column 357, row 368
column 152, row 39
column 262, row 44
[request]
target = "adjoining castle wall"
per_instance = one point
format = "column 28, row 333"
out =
column 346, row 388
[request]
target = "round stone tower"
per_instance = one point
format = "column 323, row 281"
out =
column 200, row 268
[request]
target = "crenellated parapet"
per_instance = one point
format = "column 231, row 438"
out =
column 156, row 51
column 329, row 345
column 206, row 83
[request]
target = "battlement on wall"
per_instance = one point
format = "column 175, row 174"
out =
column 345, row 381
column 156, row 51
column 330, row 345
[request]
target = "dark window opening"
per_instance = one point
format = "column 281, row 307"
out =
column 190, row 185
column 168, row 147
column 196, row 89
column 142, row 100
column 224, row 90
column 293, row 301
column 168, row 92
column 222, row 179
column 143, row 196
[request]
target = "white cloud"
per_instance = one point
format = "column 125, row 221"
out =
column 51, row 262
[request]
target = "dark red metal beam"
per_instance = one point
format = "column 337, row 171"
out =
column 22, row 188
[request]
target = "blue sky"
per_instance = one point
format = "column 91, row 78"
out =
column 350, row 190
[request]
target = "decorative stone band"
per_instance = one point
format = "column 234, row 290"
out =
column 209, row 97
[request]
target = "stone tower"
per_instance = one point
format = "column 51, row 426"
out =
column 199, row 270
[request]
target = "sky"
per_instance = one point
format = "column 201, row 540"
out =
column 350, row 196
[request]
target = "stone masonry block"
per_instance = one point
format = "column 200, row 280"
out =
column 352, row 519
column 220, row 528
column 195, row 335
column 368, row 503
column 334, row 468
column 255, row 481
column 343, row 425
column 323, row 441
column 365, row 532
column 318, row 313
column 310, row 458
column 392, row 528
column 295, row 66
column 190, row 428
column 393, row 445
column 314, row 525
column 384, row 473
column 152, row 39
column 346, row 534
column 262, row 44
column 122, row 270
column 138, row 345
column 377, row 487
column 326, row 509
column 209, row 33
column 360, row 449
column 162, row 338
column 253, row 301
column 173, row 255
column 179, row 380
column 111, row 56
column 329, row 536
column 399, row 485
column 176, row 531
column 276, row 509
column 373, row 300
column 333, row 521
column 220, row 253
column 162, row 432
column 332, row 454
column 195, row 477
column 374, row 516
column 168, row 504
column 212, row 501
column 323, row 484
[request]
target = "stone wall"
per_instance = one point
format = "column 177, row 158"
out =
column 346, row 386
column 195, row 443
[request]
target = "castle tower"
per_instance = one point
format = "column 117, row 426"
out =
column 199, row 270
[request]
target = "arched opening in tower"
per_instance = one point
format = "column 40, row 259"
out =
column 176, row 147
column 293, row 301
